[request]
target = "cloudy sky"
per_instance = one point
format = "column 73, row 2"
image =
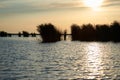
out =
column 18, row 15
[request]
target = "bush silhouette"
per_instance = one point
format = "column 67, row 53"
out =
column 115, row 31
column 104, row 33
column 25, row 34
column 83, row 33
column 3, row 34
column 19, row 34
column 75, row 32
column 88, row 32
column 49, row 33
column 33, row 34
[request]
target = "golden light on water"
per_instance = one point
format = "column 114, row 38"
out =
column 94, row 59
column 94, row 4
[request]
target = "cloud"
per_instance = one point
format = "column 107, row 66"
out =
column 111, row 3
column 22, row 6
column 27, row 6
column 56, row 4
column 14, row 6
column 66, row 5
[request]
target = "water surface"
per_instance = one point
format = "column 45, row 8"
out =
column 28, row 59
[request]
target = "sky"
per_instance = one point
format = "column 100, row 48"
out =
column 19, row 15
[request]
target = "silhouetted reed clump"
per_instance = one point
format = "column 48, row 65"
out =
column 4, row 34
column 25, row 34
column 19, row 34
column 49, row 33
column 76, row 32
column 33, row 34
column 89, row 32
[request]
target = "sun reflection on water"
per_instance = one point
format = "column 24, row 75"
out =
column 93, row 60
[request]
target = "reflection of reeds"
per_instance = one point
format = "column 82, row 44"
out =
column 96, row 33
column 49, row 33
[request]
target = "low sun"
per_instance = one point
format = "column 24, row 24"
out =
column 94, row 4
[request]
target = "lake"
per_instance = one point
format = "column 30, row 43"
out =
column 28, row 59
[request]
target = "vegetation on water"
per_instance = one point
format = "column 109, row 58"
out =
column 89, row 32
column 3, row 34
column 49, row 33
column 25, row 34
column 85, row 32
column 20, row 34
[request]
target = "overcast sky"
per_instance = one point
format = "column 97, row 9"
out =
column 18, row 15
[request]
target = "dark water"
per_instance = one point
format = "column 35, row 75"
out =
column 27, row 59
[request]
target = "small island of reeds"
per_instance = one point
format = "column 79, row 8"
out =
column 103, row 33
column 49, row 33
column 85, row 32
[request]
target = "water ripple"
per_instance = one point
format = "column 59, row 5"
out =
column 27, row 59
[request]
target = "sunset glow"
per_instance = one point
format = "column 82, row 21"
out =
column 94, row 4
column 18, row 15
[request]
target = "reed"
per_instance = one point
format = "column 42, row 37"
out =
column 103, row 33
column 49, row 33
